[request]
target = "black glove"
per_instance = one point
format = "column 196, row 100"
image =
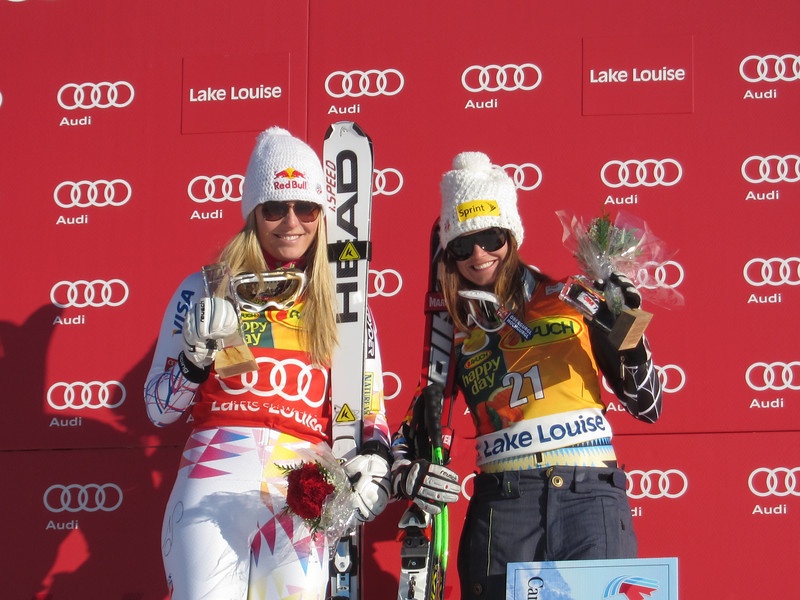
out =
column 630, row 295
column 425, row 483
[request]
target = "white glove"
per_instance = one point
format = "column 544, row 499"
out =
column 425, row 483
column 209, row 320
column 369, row 476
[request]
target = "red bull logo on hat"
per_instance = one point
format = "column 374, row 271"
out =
column 289, row 179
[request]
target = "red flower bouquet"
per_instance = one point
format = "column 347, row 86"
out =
column 309, row 487
column 319, row 492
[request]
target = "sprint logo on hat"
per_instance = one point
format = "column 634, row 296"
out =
column 477, row 208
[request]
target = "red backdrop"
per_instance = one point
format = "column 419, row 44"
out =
column 126, row 127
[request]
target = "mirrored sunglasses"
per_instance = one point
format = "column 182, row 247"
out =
column 489, row 239
column 306, row 212
column 273, row 289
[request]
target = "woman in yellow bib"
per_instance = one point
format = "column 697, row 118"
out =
column 528, row 366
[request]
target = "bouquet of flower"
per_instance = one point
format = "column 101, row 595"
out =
column 624, row 245
column 319, row 492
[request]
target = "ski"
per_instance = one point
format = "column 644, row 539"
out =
column 348, row 165
column 425, row 539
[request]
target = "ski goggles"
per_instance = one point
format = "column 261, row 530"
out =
column 273, row 289
column 306, row 212
column 481, row 311
column 489, row 239
column 486, row 312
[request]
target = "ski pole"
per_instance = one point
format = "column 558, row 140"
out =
column 433, row 422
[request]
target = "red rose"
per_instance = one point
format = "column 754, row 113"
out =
column 308, row 490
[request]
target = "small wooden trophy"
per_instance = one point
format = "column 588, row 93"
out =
column 625, row 331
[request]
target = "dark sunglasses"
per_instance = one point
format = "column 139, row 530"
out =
column 306, row 212
column 489, row 239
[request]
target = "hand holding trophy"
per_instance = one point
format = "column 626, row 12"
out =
column 233, row 357
column 612, row 255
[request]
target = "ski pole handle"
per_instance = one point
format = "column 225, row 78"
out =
column 432, row 395
column 434, row 402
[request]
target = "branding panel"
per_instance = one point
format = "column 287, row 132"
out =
column 630, row 579
column 630, row 75
column 235, row 93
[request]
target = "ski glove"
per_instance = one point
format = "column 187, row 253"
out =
column 369, row 477
column 427, row 484
column 630, row 295
column 209, row 320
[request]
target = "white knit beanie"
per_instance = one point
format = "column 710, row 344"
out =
column 477, row 195
column 282, row 168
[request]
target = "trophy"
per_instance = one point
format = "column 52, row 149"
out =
column 624, row 328
column 604, row 248
column 234, row 357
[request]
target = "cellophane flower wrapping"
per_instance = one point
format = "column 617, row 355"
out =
column 625, row 245
column 319, row 492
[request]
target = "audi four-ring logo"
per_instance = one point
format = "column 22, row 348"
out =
column 653, row 275
column 387, row 282
column 671, row 483
column 284, row 375
column 648, row 173
column 770, row 67
column 772, row 168
column 772, row 271
column 387, row 182
column 508, row 78
column 92, row 394
column 774, row 482
column 95, row 95
column 777, row 376
column 364, row 83
column 526, row 176
column 85, row 193
column 215, row 188
column 83, row 293
column 74, row 498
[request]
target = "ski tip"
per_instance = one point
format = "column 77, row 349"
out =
column 344, row 126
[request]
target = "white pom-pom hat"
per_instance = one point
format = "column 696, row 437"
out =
column 282, row 168
column 477, row 195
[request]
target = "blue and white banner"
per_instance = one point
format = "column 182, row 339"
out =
column 620, row 579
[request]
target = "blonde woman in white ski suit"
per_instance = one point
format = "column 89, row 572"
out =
column 225, row 534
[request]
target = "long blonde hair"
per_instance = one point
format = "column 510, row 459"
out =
column 507, row 285
column 244, row 254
